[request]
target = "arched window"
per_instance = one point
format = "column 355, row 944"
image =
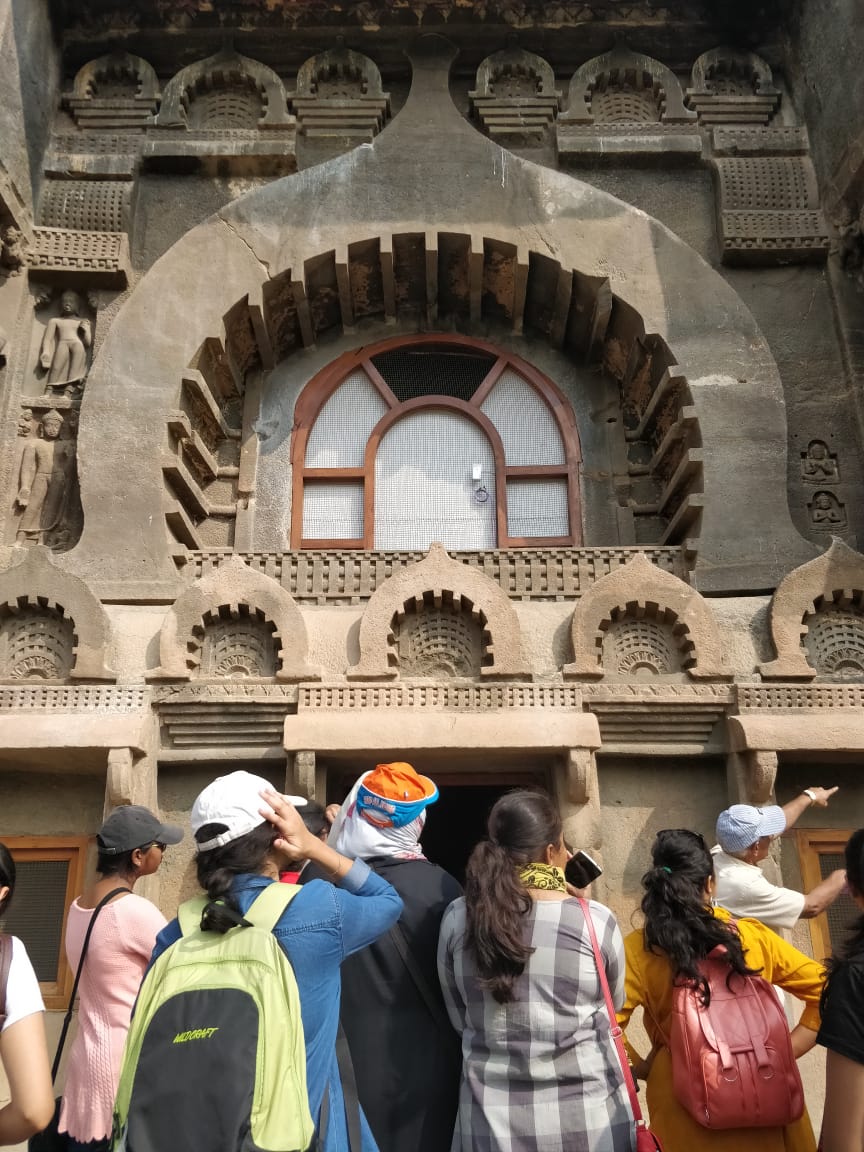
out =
column 434, row 438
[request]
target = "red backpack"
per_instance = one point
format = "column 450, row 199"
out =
column 732, row 1062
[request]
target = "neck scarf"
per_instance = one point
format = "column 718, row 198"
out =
column 355, row 836
column 544, row 877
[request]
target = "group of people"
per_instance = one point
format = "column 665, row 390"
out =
column 435, row 1019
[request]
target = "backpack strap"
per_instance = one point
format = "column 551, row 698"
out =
column 5, row 961
column 267, row 908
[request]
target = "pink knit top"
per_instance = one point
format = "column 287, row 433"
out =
column 119, row 951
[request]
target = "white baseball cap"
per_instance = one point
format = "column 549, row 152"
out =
column 233, row 800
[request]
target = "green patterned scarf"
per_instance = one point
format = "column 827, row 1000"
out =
column 545, row 877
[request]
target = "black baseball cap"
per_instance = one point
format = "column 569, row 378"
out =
column 132, row 826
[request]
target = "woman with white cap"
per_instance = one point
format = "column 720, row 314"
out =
column 245, row 835
column 131, row 844
column 407, row 1060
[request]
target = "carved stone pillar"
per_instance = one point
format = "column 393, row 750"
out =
column 300, row 775
column 128, row 781
column 579, row 801
column 752, row 776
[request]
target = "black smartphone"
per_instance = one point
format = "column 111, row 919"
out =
column 581, row 869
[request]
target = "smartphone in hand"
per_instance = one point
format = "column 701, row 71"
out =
column 581, row 869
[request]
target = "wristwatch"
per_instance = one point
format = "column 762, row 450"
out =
column 810, row 794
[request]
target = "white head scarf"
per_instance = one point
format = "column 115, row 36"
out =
column 355, row 836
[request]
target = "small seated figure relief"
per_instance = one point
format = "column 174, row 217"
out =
column 25, row 422
column 12, row 256
column 826, row 511
column 64, row 347
column 818, row 465
column 46, row 476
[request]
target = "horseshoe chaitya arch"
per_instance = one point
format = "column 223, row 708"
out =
column 513, row 475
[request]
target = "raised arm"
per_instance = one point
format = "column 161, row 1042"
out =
column 809, row 798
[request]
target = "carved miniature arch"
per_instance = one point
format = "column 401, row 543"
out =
column 637, row 587
column 37, row 583
column 837, row 576
column 725, row 61
column 86, row 83
column 223, row 67
column 432, row 580
column 438, row 281
column 515, row 61
column 621, row 64
column 229, row 586
column 341, row 62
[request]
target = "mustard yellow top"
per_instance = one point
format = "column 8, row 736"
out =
column 649, row 984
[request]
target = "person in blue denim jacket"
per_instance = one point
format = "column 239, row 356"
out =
column 245, row 833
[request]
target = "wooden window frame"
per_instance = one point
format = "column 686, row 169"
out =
column 810, row 843
column 31, row 849
column 322, row 386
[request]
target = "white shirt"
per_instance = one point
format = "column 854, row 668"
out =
column 745, row 890
column 23, row 996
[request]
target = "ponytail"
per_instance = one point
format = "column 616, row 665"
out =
column 218, row 867
column 521, row 825
column 678, row 921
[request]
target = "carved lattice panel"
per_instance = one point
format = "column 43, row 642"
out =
column 624, row 103
column 641, row 647
column 238, row 648
column 231, row 106
column 36, row 644
column 445, row 641
column 834, row 641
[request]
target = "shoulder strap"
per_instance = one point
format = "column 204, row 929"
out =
column 67, row 1020
column 5, row 961
column 266, row 909
column 617, row 1035
column 432, row 1002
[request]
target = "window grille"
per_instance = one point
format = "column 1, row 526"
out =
column 440, row 373
column 424, row 489
column 537, row 508
column 339, row 435
column 332, row 511
column 527, row 428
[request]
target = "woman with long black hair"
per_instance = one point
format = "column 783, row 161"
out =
column 842, row 1031
column 520, row 982
column 681, row 928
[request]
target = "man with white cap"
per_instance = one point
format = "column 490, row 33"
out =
column 744, row 836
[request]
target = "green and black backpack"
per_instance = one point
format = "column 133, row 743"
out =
column 215, row 1059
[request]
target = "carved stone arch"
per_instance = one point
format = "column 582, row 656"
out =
column 36, row 582
column 229, row 586
column 224, row 67
column 622, row 65
column 438, row 280
column 728, row 61
column 514, row 61
column 343, row 63
column 136, row 68
column 636, row 589
column 438, row 579
column 834, row 578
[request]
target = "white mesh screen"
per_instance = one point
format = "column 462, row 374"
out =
column 338, row 437
column 332, row 511
column 525, row 424
column 537, row 508
column 423, row 484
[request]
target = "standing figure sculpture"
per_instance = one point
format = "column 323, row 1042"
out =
column 46, row 469
column 65, row 343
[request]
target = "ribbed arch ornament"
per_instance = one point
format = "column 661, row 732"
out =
column 435, row 437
